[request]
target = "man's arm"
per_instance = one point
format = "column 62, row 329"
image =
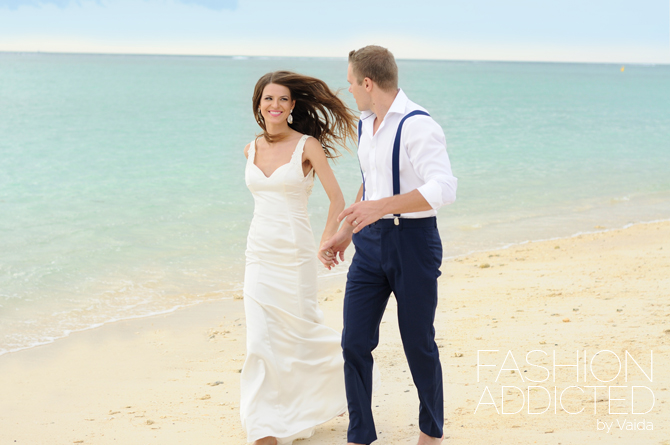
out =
column 427, row 152
column 426, row 149
column 363, row 213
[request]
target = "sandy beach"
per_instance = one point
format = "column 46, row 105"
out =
column 598, row 302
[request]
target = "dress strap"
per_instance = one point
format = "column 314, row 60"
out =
column 297, row 153
column 251, row 154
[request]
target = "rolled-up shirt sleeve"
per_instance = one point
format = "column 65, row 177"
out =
column 427, row 152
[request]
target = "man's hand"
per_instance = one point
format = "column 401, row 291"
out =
column 334, row 247
column 363, row 213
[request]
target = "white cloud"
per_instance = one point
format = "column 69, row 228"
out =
column 216, row 5
column 14, row 4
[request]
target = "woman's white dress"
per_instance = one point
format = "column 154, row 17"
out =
column 293, row 378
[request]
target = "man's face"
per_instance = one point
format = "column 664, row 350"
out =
column 361, row 96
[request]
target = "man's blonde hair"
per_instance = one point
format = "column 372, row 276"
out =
column 376, row 63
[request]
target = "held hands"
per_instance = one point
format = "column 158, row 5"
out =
column 334, row 247
column 355, row 218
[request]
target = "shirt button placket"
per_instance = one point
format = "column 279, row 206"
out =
column 373, row 165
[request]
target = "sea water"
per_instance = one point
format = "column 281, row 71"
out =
column 122, row 177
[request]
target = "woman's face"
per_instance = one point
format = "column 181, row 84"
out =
column 276, row 103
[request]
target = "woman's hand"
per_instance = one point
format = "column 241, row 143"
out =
column 334, row 247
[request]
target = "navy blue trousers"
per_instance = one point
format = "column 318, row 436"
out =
column 403, row 259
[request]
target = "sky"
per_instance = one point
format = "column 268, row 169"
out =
column 613, row 31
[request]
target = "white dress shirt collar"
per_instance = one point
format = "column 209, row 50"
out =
column 398, row 106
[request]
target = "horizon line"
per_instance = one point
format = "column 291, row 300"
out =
column 85, row 53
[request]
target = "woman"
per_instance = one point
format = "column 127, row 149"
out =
column 292, row 379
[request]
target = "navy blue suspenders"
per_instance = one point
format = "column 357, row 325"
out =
column 396, row 154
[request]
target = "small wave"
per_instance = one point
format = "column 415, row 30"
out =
column 49, row 326
column 470, row 228
column 32, row 343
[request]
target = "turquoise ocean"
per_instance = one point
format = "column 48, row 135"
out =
column 122, row 177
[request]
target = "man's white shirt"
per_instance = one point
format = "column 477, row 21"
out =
column 424, row 163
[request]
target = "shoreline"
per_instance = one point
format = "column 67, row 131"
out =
column 174, row 378
column 326, row 282
column 558, row 238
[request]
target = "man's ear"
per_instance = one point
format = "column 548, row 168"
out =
column 367, row 83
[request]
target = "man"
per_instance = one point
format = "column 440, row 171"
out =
column 398, row 248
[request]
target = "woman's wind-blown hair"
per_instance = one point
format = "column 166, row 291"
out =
column 318, row 111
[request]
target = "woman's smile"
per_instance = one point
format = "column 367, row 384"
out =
column 276, row 101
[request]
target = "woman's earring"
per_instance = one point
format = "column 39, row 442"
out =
column 289, row 119
column 260, row 116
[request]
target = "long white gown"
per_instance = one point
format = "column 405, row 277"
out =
column 293, row 378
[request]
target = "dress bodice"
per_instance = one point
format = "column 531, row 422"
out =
column 287, row 188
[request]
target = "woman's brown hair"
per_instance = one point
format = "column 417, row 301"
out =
column 318, row 111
